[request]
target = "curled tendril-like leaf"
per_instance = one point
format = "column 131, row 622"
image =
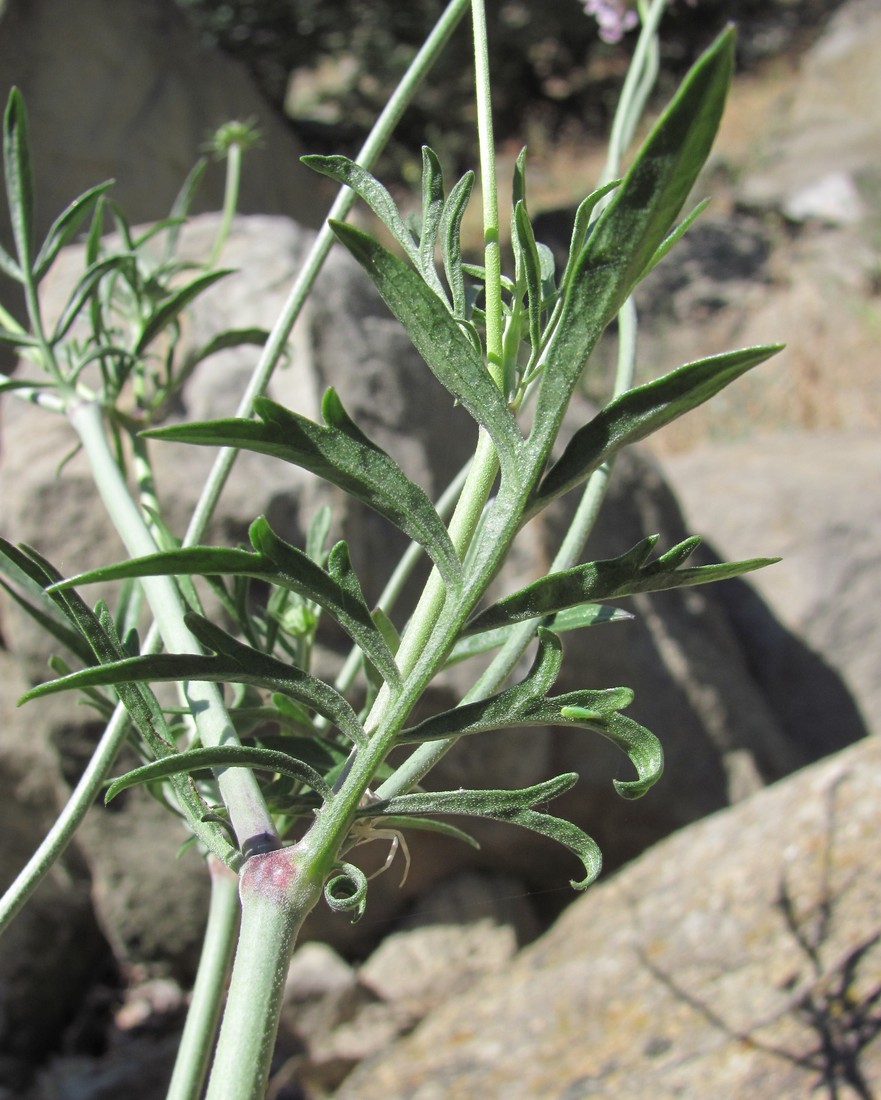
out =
column 514, row 807
column 353, row 881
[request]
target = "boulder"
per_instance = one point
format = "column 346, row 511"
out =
column 814, row 499
column 129, row 91
column 741, row 957
column 53, row 956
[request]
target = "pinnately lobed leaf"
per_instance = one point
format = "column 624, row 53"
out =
column 611, row 578
column 634, row 224
column 232, row 662
column 223, row 756
column 527, row 704
column 341, row 454
column 513, row 807
column 336, row 589
column 439, row 339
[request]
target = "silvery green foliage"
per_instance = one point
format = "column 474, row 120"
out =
column 552, row 323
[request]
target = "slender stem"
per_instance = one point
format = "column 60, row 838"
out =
column 277, row 892
column 423, row 759
column 241, row 793
column 492, row 249
column 638, row 82
column 197, row 1041
column 230, row 200
column 68, row 820
column 475, row 493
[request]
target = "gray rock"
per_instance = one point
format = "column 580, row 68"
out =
column 831, row 119
column 112, row 89
column 53, row 953
column 420, row 967
column 833, row 199
column 814, row 499
column 734, row 959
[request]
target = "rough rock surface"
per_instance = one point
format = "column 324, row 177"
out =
column 127, row 91
column 815, row 500
column 741, row 957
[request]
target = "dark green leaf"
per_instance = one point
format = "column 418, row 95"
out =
column 677, row 234
column 529, row 263
column 233, row 663
column 49, row 621
column 510, row 806
column 641, row 411
column 507, row 708
column 9, row 267
column 321, row 755
column 527, row 704
column 224, row 756
column 611, row 578
column 19, row 186
column 342, row 455
column 440, row 341
column 572, row 618
column 232, row 338
column 640, row 744
column 366, row 187
column 173, row 305
column 580, row 227
column 84, row 288
column 522, row 705
column 628, row 233
column 64, row 227
column 451, row 242
column 432, row 210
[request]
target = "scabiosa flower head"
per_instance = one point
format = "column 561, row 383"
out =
column 613, row 17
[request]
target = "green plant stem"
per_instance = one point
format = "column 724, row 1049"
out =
column 395, row 584
column 484, row 467
column 230, row 200
column 489, row 188
column 203, row 1015
column 68, row 820
column 475, row 493
column 424, row 758
column 281, row 330
column 249, row 816
column 277, row 891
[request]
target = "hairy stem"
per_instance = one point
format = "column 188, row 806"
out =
column 277, row 890
column 489, row 187
column 241, row 793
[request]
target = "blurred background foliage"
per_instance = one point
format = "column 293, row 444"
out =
column 329, row 65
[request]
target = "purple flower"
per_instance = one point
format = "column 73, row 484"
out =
column 613, row 17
